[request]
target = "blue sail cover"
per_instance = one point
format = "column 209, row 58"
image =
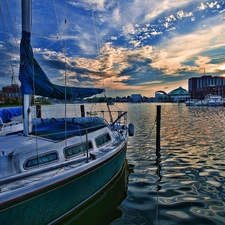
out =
column 7, row 114
column 34, row 80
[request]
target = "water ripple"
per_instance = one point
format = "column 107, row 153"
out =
column 187, row 184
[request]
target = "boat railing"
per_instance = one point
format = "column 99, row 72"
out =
column 82, row 136
column 120, row 116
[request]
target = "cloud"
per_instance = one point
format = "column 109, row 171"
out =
column 181, row 14
column 202, row 7
column 170, row 57
column 116, row 15
column 97, row 4
column 113, row 38
column 128, row 29
column 171, row 53
column 139, row 45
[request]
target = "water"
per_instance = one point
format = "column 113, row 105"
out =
column 187, row 186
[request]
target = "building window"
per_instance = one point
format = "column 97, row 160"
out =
column 40, row 160
column 75, row 149
column 101, row 140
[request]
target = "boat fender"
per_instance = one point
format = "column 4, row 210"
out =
column 131, row 129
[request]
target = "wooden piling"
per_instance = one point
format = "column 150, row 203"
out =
column 38, row 111
column 158, row 122
column 82, row 110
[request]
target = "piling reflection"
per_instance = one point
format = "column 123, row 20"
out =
column 103, row 209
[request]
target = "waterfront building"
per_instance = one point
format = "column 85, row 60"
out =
column 11, row 94
column 199, row 87
column 161, row 96
column 136, row 98
column 2, row 97
column 179, row 95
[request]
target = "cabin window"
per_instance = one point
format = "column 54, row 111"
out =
column 75, row 149
column 41, row 159
column 101, row 140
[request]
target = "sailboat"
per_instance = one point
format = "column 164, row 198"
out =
column 57, row 165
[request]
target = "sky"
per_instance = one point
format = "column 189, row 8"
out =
column 125, row 46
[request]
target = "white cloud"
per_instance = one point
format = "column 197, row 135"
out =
column 156, row 33
column 99, row 4
column 113, row 38
column 170, row 18
column 128, row 29
column 181, row 14
column 135, row 43
column 202, row 7
column 116, row 16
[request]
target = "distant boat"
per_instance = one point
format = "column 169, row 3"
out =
column 210, row 100
column 202, row 102
column 214, row 100
column 110, row 103
column 190, row 102
column 56, row 165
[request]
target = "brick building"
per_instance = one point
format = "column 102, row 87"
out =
column 10, row 94
column 199, row 87
column 2, row 97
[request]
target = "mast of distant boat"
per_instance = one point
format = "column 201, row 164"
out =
column 26, row 26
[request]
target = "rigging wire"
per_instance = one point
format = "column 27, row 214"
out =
column 6, row 41
column 13, row 26
column 57, row 20
column 97, row 44
column 63, row 47
column 65, row 74
column 9, row 55
column 98, row 49
column 45, row 36
column 61, row 40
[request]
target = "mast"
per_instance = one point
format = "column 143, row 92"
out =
column 26, row 26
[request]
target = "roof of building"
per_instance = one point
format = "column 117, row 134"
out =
column 179, row 91
column 160, row 92
column 136, row 96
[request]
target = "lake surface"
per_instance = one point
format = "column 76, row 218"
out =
column 186, row 185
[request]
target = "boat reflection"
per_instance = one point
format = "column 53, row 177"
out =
column 103, row 209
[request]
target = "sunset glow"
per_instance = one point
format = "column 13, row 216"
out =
column 143, row 46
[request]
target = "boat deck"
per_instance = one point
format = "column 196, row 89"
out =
column 59, row 127
column 44, row 174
